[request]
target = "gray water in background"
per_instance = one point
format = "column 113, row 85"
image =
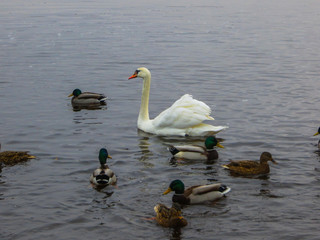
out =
column 256, row 63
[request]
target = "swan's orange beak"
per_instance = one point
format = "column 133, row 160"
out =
column 133, row 76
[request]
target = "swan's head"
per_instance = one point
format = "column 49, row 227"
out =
column 141, row 72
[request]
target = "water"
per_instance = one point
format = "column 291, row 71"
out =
column 255, row 63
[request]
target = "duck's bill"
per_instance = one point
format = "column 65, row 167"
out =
column 219, row 145
column 167, row 191
column 109, row 156
column 274, row 161
column 70, row 95
column 317, row 133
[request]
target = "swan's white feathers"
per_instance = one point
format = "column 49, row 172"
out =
column 186, row 112
column 183, row 118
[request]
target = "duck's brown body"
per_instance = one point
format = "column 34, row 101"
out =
column 14, row 157
column 88, row 99
column 248, row 167
column 103, row 176
column 170, row 217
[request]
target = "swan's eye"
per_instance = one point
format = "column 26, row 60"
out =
column 137, row 71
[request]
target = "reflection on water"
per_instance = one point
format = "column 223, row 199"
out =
column 78, row 108
column 175, row 234
column 86, row 119
column 260, row 176
column 145, row 152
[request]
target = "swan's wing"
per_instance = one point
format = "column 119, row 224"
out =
column 184, row 113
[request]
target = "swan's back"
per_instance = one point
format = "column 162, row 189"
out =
column 184, row 113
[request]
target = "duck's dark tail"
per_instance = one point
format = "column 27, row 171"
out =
column 224, row 189
column 102, row 179
column 173, row 150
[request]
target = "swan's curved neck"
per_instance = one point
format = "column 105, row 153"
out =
column 144, row 107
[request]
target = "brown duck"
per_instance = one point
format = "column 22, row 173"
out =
column 248, row 167
column 170, row 217
column 14, row 157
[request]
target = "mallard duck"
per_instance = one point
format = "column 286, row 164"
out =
column 103, row 176
column 170, row 217
column 196, row 194
column 14, row 157
column 248, row 167
column 184, row 118
column 197, row 152
column 317, row 133
column 83, row 99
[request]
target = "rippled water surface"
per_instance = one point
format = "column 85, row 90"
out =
column 255, row 63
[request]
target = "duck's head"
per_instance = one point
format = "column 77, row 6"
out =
column 141, row 72
column 265, row 157
column 211, row 141
column 177, row 186
column 75, row 93
column 103, row 155
column 317, row 133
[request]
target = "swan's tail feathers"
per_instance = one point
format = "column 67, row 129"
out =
column 205, row 130
column 173, row 150
column 210, row 118
column 219, row 128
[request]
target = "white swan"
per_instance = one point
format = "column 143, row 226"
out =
column 183, row 118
